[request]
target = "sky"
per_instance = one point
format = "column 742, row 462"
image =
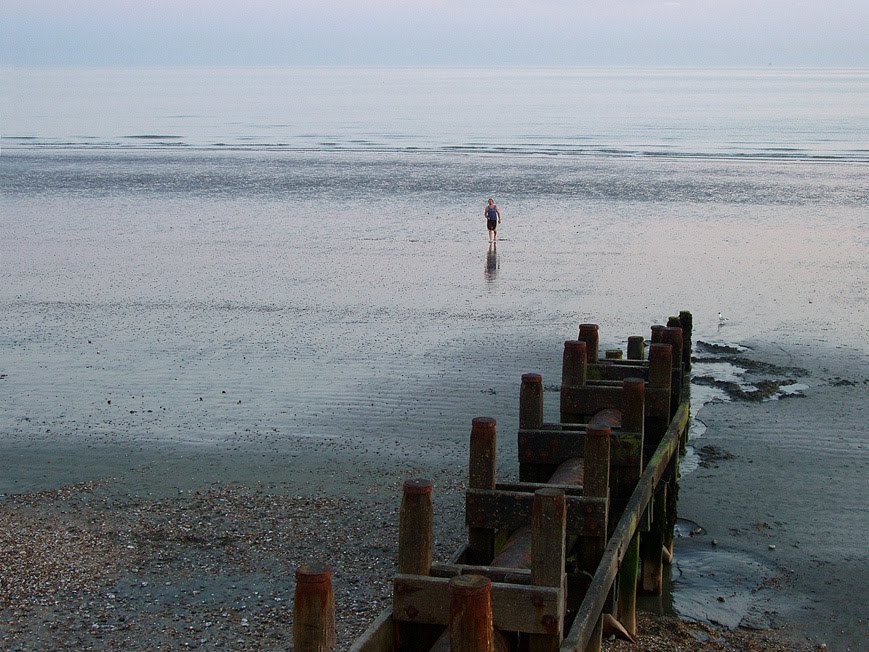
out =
column 435, row 32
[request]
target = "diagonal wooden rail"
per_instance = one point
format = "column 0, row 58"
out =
column 592, row 606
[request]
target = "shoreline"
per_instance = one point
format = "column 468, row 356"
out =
column 200, row 535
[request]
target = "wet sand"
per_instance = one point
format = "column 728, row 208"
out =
column 172, row 537
column 231, row 387
column 782, row 493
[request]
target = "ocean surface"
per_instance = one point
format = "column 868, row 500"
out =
column 255, row 255
column 743, row 113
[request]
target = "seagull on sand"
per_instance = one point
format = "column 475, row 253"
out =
column 721, row 319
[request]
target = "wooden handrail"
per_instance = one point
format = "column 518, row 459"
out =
column 595, row 598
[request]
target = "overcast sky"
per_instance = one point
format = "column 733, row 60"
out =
column 435, row 32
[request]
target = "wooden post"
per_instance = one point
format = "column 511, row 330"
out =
column 574, row 370
column 632, row 421
column 588, row 334
column 673, row 337
column 652, row 545
column 596, row 478
column 628, row 573
column 574, row 366
column 660, row 378
column 687, row 322
column 548, row 533
column 673, row 320
column 596, row 484
column 481, row 475
column 471, row 627
column 314, row 610
column 613, row 354
column 660, row 365
column 531, row 402
column 633, row 406
column 595, row 641
column 530, row 418
column 636, row 347
column 415, row 528
column 656, row 333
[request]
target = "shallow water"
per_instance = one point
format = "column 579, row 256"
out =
column 255, row 297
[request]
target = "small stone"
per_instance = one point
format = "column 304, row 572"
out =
column 714, row 542
column 772, row 546
column 720, row 598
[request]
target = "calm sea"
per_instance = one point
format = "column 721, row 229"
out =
column 251, row 255
column 770, row 113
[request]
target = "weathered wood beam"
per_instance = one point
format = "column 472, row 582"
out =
column 516, row 608
column 492, row 509
column 584, row 624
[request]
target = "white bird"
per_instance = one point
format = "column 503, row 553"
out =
column 721, row 318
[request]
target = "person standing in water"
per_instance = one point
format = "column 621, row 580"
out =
column 493, row 219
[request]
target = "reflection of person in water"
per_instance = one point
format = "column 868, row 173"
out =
column 493, row 219
column 492, row 262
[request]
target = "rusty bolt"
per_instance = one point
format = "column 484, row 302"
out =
column 550, row 623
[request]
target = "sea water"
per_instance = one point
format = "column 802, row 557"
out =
column 256, row 255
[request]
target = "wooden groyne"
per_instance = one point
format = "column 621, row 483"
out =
column 552, row 560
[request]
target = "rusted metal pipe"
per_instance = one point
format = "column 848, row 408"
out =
column 568, row 472
column 609, row 417
column 516, row 552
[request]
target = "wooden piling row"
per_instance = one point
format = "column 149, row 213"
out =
column 554, row 557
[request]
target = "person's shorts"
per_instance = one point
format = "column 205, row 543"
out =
column 492, row 225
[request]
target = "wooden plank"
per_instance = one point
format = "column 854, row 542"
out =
column 494, row 573
column 531, row 487
column 626, row 449
column 516, row 608
column 554, row 447
column 618, row 370
column 379, row 637
column 583, row 625
column 495, row 510
column 550, row 446
column 589, row 399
